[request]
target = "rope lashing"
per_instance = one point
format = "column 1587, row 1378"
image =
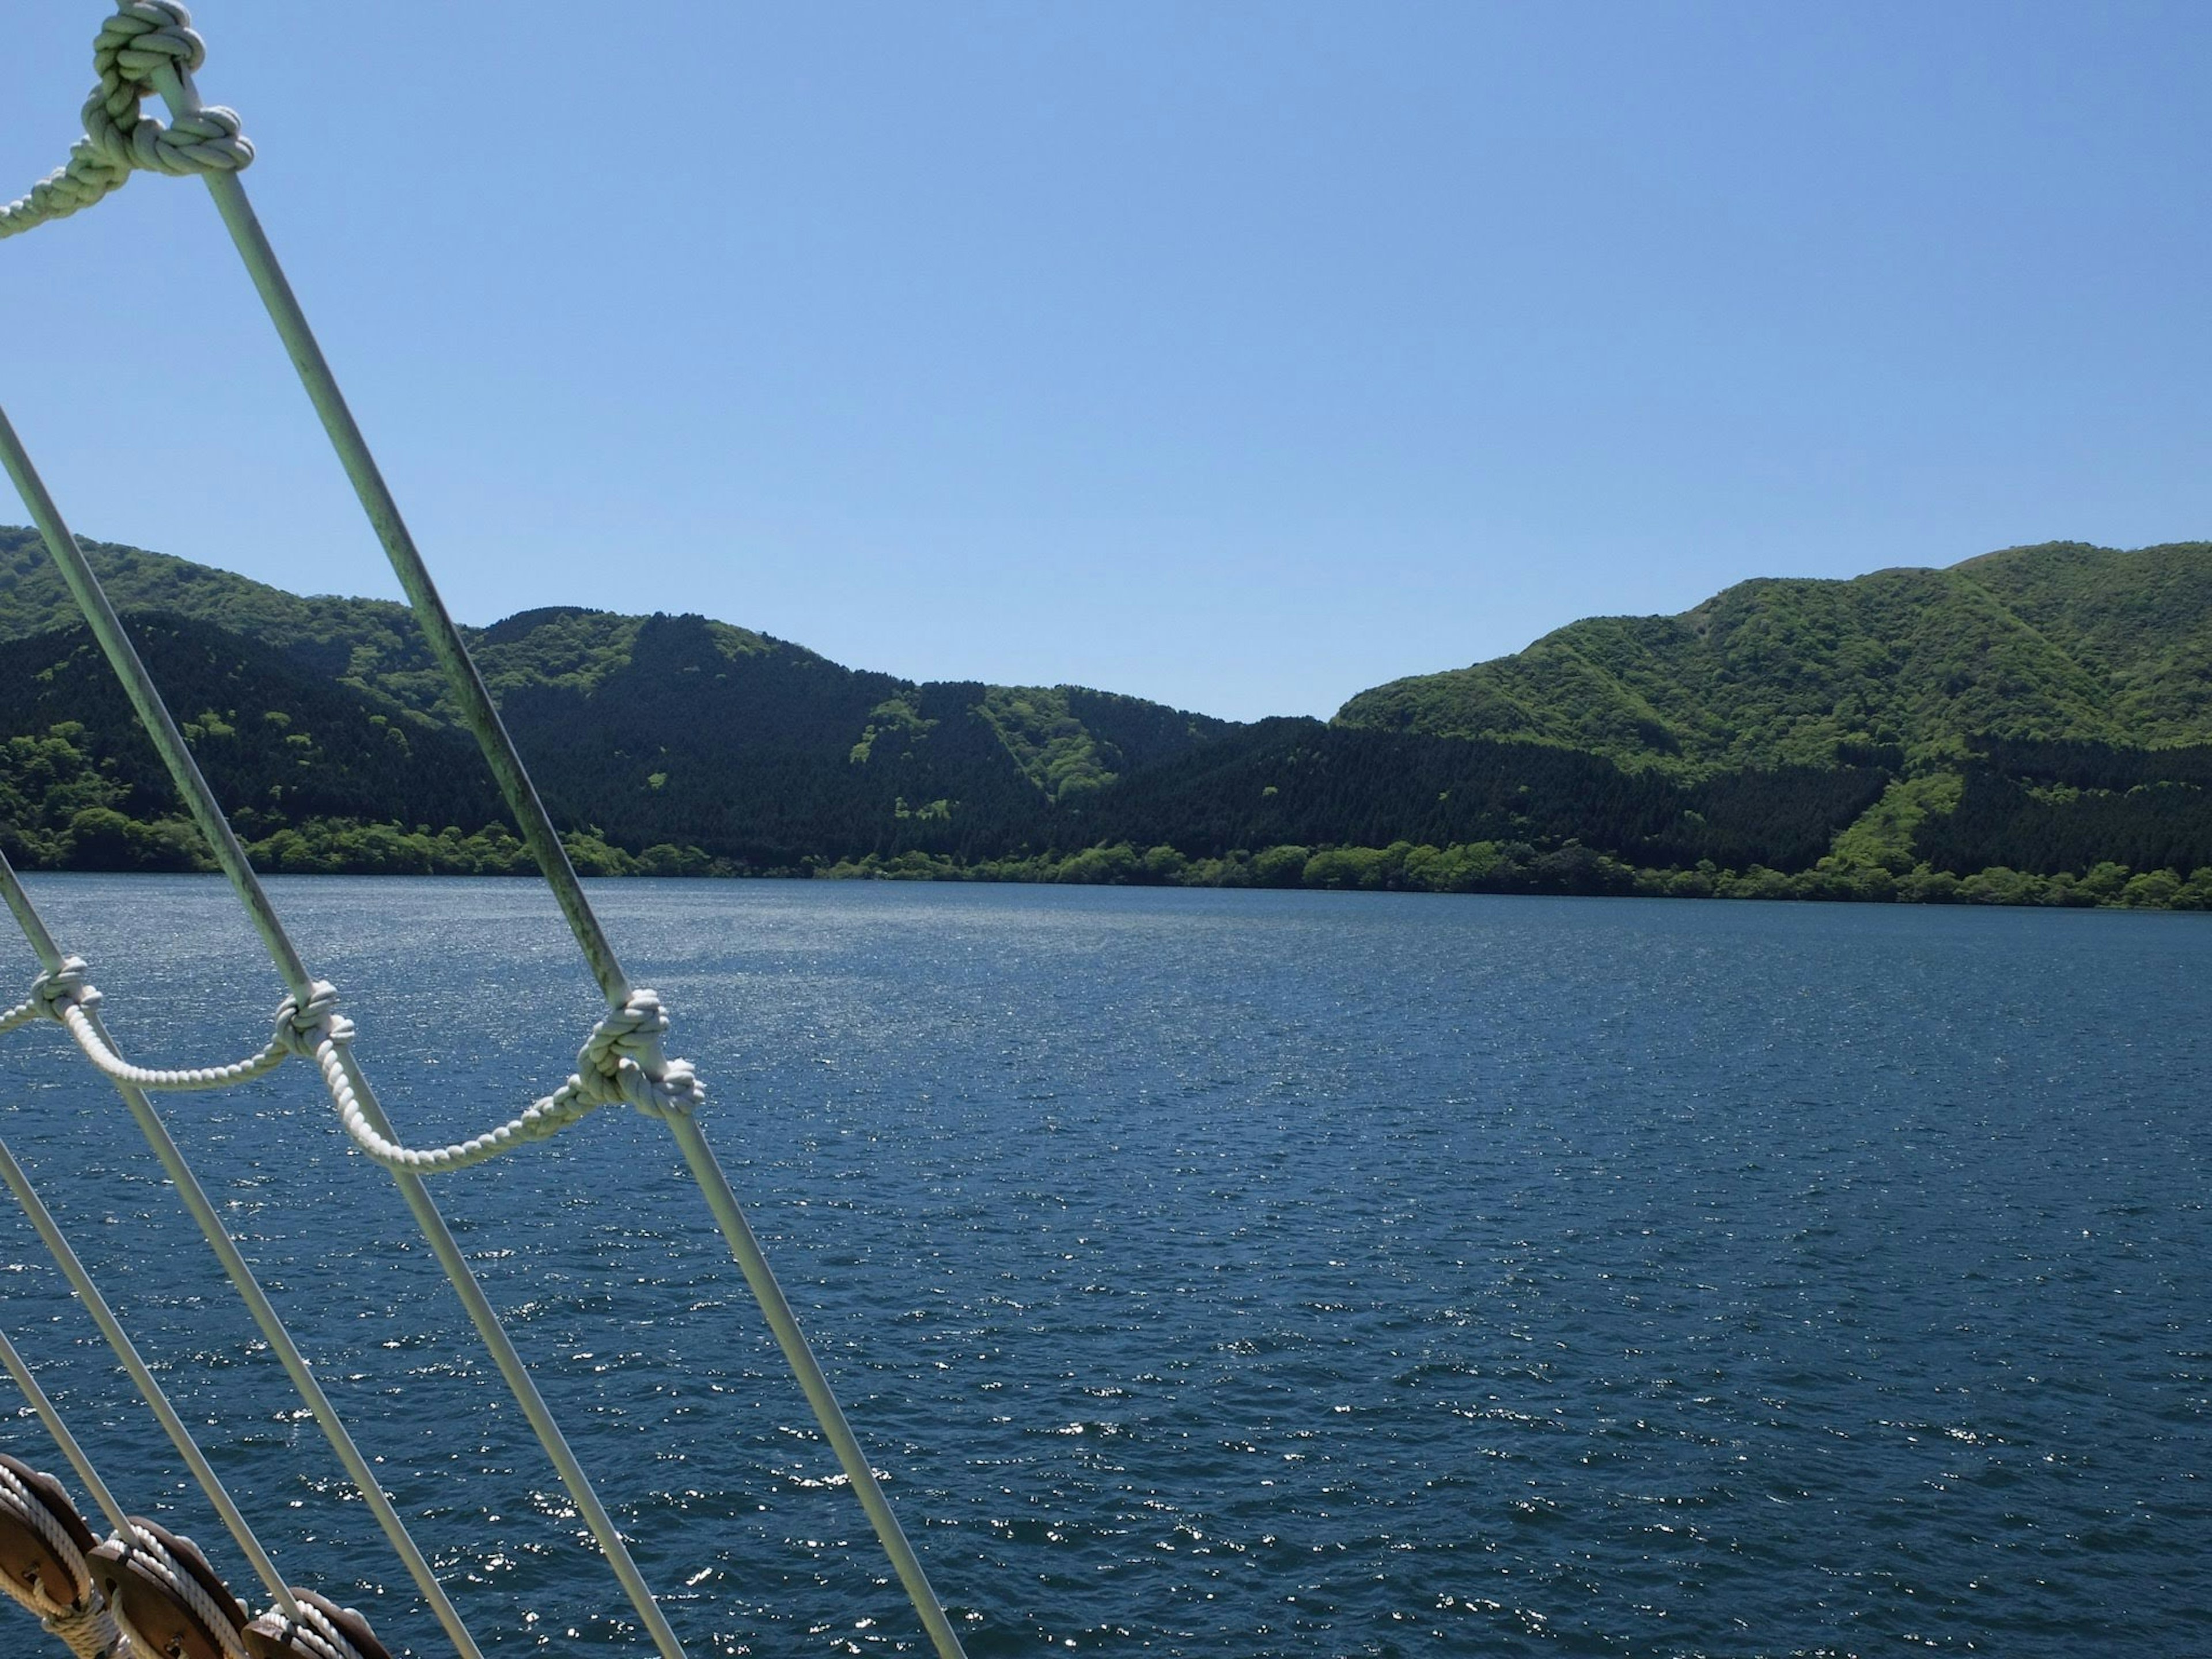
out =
column 41, row 1515
column 623, row 1062
column 666, row 1091
column 120, row 137
column 169, row 1599
column 325, row 1631
column 68, row 995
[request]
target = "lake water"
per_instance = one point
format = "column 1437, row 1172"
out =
column 1211, row 1273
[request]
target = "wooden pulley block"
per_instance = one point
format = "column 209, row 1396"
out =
column 26, row 1557
column 160, row 1621
column 272, row 1636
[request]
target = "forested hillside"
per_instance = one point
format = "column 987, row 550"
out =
column 2023, row 727
column 2057, row 642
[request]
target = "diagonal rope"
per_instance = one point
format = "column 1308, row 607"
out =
column 50, row 1415
column 266, row 1316
column 157, row 1400
column 85, row 1622
column 169, row 73
column 208, row 815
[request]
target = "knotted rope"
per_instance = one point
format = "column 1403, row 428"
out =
column 623, row 1062
column 143, row 37
column 69, row 996
column 86, row 1623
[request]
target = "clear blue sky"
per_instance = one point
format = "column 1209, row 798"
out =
column 1236, row 354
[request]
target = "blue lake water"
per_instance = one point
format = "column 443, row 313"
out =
column 1211, row 1273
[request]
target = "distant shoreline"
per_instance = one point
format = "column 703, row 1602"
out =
column 1508, row 871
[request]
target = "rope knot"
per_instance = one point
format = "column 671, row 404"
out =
column 300, row 1030
column 67, row 986
column 623, row 1061
column 142, row 39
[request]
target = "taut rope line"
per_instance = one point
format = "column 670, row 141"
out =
column 86, row 1624
column 301, row 1619
column 624, row 1060
column 264, row 1312
column 157, row 1400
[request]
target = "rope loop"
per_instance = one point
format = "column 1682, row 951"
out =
column 623, row 1061
column 143, row 37
column 303, row 1031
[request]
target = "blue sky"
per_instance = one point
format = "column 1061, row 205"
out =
column 1236, row 354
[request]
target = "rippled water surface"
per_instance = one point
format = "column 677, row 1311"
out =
column 1211, row 1273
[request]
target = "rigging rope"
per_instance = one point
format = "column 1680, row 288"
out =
column 69, row 996
column 149, row 47
column 143, row 37
column 271, row 1325
column 302, row 1621
column 150, row 1554
column 150, row 1389
column 84, row 1621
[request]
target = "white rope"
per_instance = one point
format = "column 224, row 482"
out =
column 135, row 1366
column 622, row 1061
column 315, row 1634
column 154, row 50
column 120, row 137
column 86, row 1623
column 145, row 1550
column 67, row 995
column 281, row 1342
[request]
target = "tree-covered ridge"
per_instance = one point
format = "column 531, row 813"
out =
column 583, row 682
column 2010, row 731
column 371, row 645
column 2056, row 642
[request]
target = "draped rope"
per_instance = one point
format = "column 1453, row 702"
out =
column 149, row 47
column 69, row 996
column 622, row 1062
column 143, row 37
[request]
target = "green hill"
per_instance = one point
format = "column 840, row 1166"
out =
column 2032, row 725
column 2057, row 642
column 649, row 731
